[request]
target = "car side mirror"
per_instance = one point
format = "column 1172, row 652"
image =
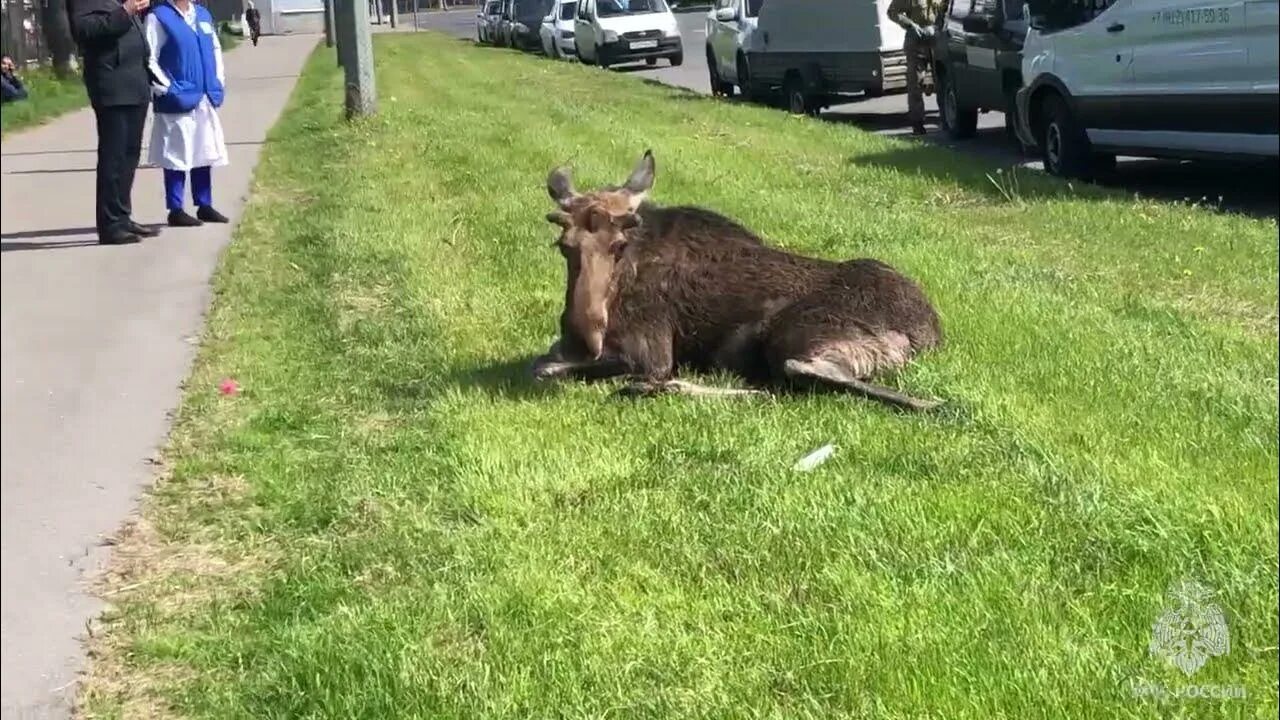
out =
column 727, row 14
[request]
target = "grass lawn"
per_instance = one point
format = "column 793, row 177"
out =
column 48, row 97
column 389, row 520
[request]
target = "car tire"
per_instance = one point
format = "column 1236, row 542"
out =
column 749, row 91
column 718, row 86
column 796, row 100
column 960, row 123
column 651, row 61
column 1064, row 147
column 678, row 59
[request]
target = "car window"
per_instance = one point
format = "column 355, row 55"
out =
column 568, row 10
column 753, row 7
column 615, row 8
column 582, row 9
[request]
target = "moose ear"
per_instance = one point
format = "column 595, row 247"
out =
column 560, row 218
column 560, row 186
column 641, row 180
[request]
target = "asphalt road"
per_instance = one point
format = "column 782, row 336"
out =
column 1253, row 189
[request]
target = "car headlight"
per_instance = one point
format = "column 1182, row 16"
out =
column 672, row 32
column 610, row 36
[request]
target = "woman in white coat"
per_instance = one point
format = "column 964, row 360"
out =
column 187, row 88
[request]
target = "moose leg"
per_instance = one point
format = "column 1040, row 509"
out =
column 845, row 363
column 651, row 388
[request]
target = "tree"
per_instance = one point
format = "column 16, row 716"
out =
column 56, row 25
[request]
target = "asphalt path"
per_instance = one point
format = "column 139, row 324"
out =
column 1252, row 188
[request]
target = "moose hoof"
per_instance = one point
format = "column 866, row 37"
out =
column 548, row 368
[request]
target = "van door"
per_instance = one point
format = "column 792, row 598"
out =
column 724, row 37
column 1093, row 56
column 1262, row 20
column 584, row 33
column 1189, row 53
column 980, row 44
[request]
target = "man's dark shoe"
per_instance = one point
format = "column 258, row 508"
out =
column 917, row 129
column 142, row 230
column 118, row 237
column 208, row 214
column 180, row 218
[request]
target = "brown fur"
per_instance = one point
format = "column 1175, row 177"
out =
column 652, row 289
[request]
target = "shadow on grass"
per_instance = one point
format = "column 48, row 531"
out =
column 503, row 378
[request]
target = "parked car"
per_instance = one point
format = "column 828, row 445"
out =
column 730, row 24
column 487, row 19
column 557, row 29
column 610, row 32
column 817, row 51
column 1150, row 78
column 977, row 59
column 526, row 21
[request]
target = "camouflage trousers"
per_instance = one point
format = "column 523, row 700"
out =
column 919, row 54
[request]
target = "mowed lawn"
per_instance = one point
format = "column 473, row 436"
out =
column 390, row 520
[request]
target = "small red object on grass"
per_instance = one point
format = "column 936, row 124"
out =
column 229, row 387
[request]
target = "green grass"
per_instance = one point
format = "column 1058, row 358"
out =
column 391, row 521
column 47, row 97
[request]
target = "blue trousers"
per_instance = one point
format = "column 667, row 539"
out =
column 201, row 187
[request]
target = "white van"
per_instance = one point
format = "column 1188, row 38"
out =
column 611, row 32
column 817, row 50
column 1151, row 78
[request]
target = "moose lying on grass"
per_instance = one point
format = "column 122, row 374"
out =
column 653, row 289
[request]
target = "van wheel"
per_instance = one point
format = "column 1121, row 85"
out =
column 798, row 102
column 651, row 61
column 677, row 60
column 718, row 86
column 1063, row 144
column 959, row 122
column 749, row 91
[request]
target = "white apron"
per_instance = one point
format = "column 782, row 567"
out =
column 187, row 140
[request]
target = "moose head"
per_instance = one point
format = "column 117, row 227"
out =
column 594, row 233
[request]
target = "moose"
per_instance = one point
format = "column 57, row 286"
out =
column 652, row 289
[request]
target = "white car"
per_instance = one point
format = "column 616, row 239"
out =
column 1151, row 78
column 730, row 25
column 487, row 20
column 611, row 32
column 557, row 29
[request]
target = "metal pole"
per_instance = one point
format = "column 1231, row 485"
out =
column 338, row 39
column 377, row 8
column 395, row 13
column 415, row 15
column 328, row 23
column 355, row 41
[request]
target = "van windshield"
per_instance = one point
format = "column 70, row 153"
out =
column 614, row 8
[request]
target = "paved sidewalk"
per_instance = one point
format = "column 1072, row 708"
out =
column 94, row 344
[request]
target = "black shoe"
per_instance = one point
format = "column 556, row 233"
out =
column 180, row 218
column 917, row 129
column 141, row 230
column 208, row 214
column 118, row 237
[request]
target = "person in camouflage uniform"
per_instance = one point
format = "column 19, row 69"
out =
column 918, row 18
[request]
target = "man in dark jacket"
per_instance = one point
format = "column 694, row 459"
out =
column 253, row 19
column 115, row 75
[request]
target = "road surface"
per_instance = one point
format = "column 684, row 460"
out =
column 95, row 342
column 1253, row 189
